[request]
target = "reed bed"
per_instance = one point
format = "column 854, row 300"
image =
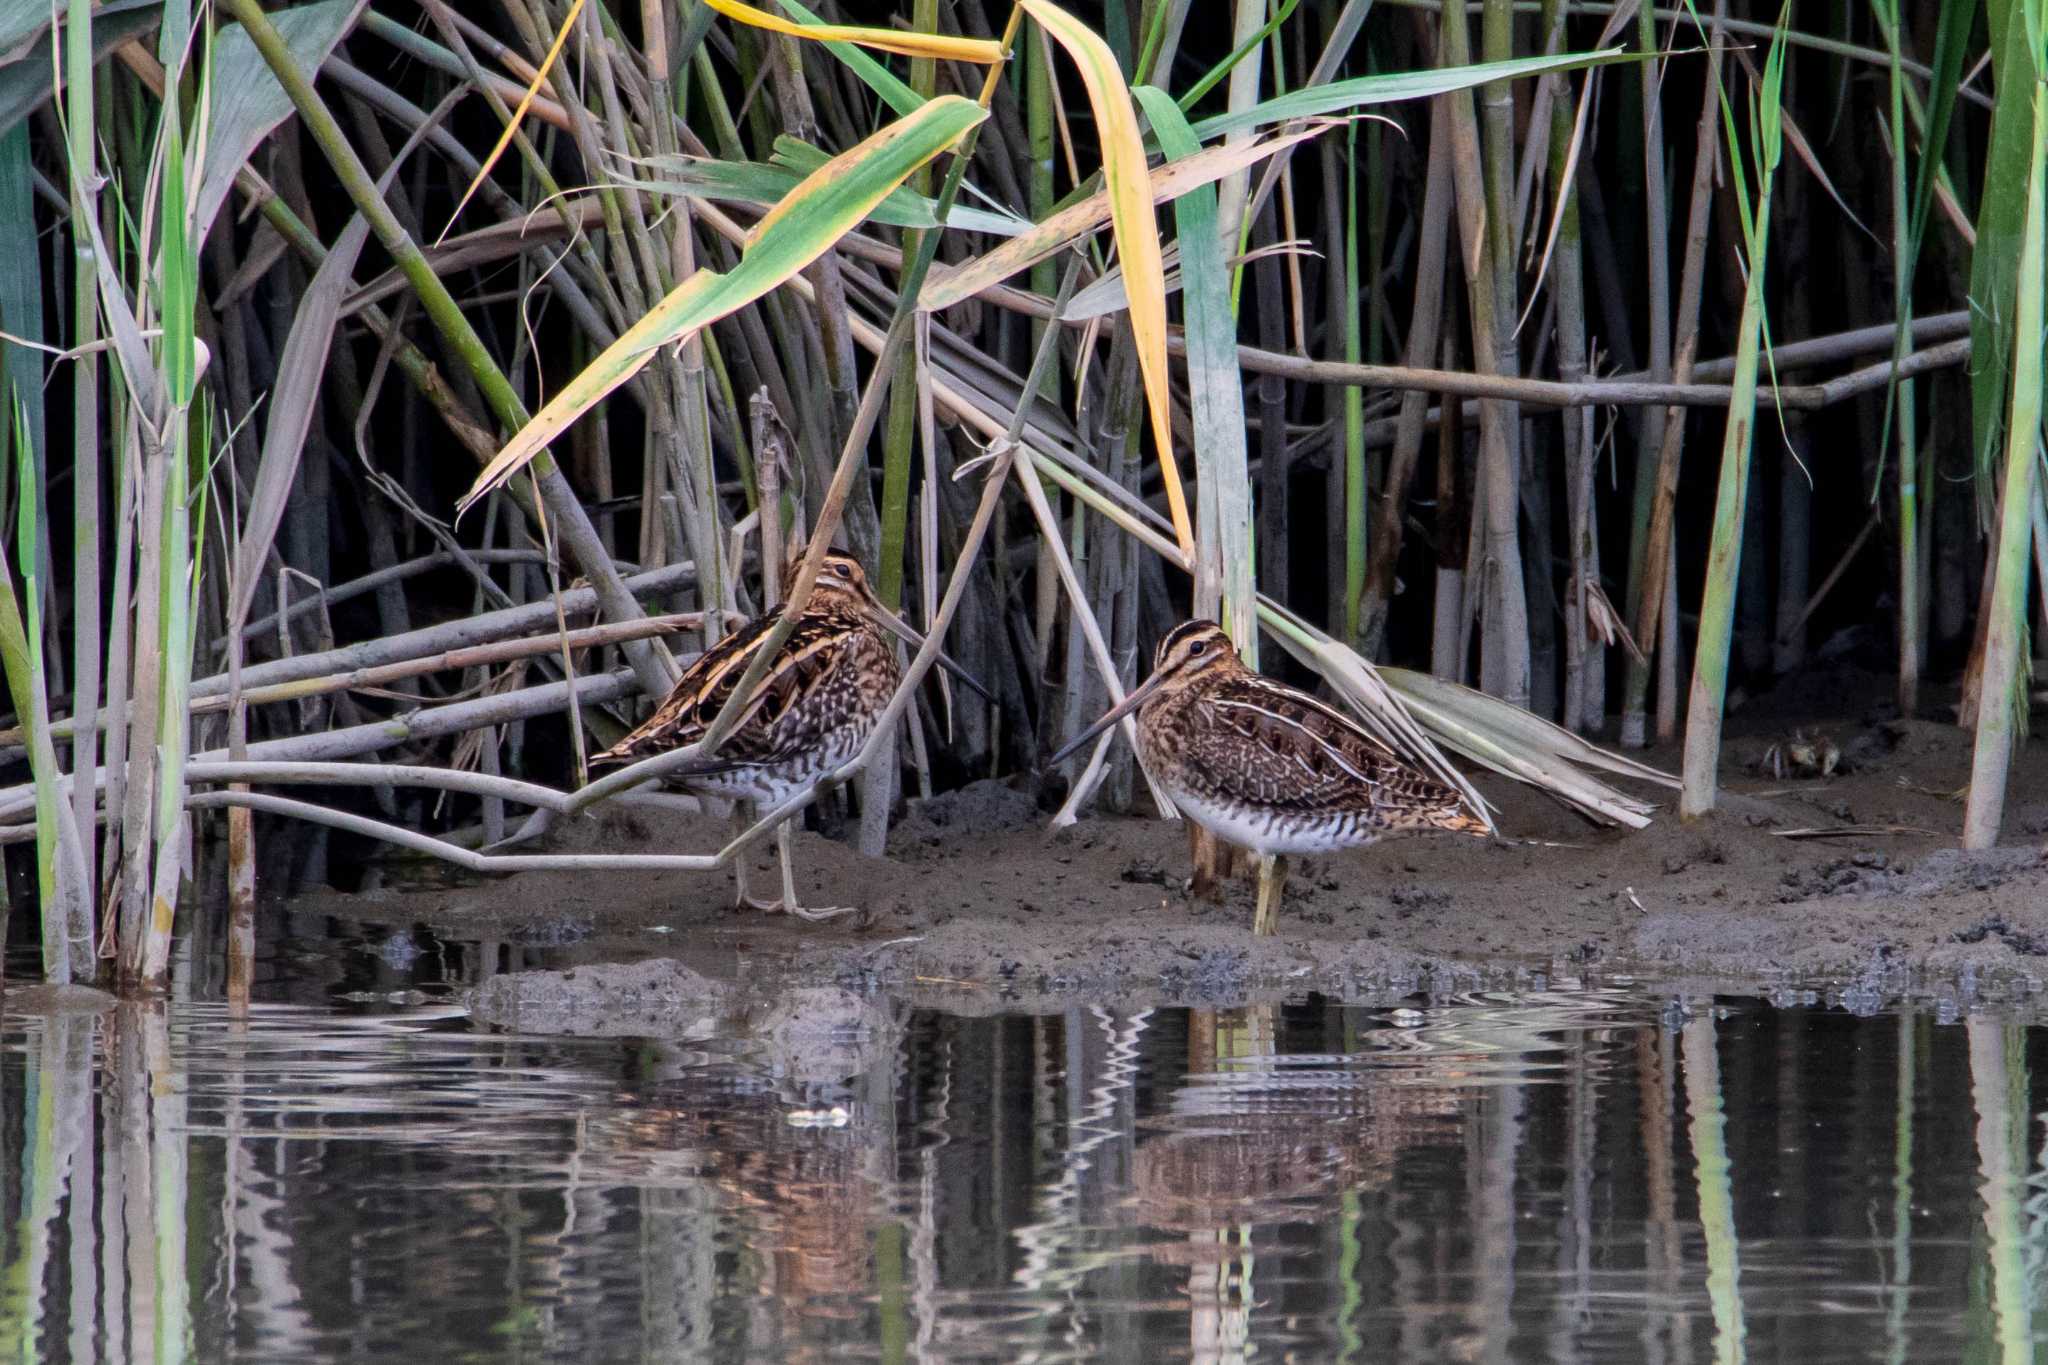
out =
column 399, row 390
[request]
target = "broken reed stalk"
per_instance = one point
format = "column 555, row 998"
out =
column 1645, row 569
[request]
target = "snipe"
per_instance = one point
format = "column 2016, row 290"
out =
column 812, row 711
column 1267, row 767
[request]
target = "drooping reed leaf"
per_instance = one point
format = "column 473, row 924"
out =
column 755, row 182
column 789, row 237
column 1168, row 182
column 939, row 46
column 289, row 412
column 1393, row 88
column 1135, row 228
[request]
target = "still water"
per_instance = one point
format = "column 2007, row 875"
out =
column 1599, row 1173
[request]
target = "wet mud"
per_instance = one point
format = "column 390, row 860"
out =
column 1850, row 883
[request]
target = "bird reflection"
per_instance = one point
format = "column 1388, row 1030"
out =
column 1247, row 1143
column 793, row 1182
column 791, row 1152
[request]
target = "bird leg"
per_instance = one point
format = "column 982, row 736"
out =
column 1211, row 860
column 789, row 900
column 1272, row 886
column 743, row 815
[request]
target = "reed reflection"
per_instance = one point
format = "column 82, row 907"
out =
column 1713, row 1174
column 1998, row 1087
column 1568, row 1176
column 103, row 1178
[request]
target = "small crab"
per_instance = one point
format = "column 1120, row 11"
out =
column 1801, row 754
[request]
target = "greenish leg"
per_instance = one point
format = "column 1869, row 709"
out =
column 1272, row 886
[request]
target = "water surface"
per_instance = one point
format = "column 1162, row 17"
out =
column 1599, row 1173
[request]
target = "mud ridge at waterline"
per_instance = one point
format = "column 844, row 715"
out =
column 979, row 905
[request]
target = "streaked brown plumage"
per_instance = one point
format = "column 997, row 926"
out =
column 812, row 711
column 1270, row 768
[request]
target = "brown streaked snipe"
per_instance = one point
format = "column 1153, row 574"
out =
column 1269, row 768
column 811, row 713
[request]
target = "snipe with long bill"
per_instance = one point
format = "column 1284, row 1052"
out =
column 1267, row 767
column 810, row 714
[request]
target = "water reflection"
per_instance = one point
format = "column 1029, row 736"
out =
column 1577, row 1176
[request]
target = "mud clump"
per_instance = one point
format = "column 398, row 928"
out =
column 1945, row 872
column 979, row 808
column 655, row 999
column 2025, row 942
column 1859, row 874
column 1951, row 870
column 817, row 1035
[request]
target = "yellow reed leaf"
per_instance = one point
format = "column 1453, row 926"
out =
column 825, row 206
column 540, row 78
column 1129, row 188
column 939, row 46
column 951, row 285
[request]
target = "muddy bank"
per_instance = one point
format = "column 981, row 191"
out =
column 979, row 907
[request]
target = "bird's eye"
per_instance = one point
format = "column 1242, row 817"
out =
column 1199, row 647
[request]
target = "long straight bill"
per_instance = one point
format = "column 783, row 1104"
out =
column 1111, row 717
column 909, row 634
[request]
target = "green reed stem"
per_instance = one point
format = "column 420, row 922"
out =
column 2000, row 698
column 1724, row 557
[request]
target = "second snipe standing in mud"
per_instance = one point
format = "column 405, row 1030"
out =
column 1269, row 768
column 810, row 714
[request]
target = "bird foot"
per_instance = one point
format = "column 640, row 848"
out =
column 818, row 913
column 779, row 906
